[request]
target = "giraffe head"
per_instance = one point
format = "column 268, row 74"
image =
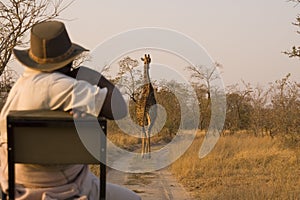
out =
column 146, row 59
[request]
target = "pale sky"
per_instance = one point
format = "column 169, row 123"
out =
column 246, row 37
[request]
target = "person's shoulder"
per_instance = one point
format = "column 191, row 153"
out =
column 63, row 79
column 35, row 74
column 59, row 82
column 57, row 76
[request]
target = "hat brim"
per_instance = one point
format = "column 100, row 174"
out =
column 25, row 59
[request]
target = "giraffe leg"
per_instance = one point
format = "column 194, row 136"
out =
column 143, row 142
column 148, row 137
column 148, row 145
column 142, row 153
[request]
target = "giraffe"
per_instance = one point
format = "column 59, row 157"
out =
column 146, row 117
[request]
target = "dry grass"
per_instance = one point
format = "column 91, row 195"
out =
column 241, row 167
column 132, row 143
column 123, row 140
column 129, row 143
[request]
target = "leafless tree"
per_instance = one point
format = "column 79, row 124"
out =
column 238, row 108
column 7, row 79
column 295, row 52
column 129, row 77
column 205, row 74
column 285, row 101
column 203, row 77
column 259, row 115
column 17, row 17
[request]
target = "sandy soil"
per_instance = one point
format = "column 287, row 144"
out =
column 158, row 185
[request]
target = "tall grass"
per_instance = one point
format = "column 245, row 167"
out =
column 241, row 167
column 132, row 143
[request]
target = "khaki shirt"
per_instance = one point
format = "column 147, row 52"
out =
column 51, row 91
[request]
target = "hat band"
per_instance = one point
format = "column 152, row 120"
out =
column 51, row 60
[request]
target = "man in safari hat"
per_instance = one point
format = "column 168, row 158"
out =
column 48, row 82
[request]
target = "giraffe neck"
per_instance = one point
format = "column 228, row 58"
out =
column 146, row 74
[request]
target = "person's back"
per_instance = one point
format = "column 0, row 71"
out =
column 44, row 86
column 36, row 90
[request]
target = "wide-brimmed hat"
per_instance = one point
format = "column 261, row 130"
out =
column 50, row 47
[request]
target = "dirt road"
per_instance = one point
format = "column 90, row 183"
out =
column 153, row 185
column 158, row 185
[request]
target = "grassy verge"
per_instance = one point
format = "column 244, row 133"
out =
column 122, row 140
column 241, row 167
column 130, row 143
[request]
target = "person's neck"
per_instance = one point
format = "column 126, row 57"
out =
column 28, row 71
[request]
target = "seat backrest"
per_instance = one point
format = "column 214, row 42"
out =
column 51, row 137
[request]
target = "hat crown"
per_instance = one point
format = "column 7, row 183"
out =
column 48, row 30
column 50, row 47
column 49, row 42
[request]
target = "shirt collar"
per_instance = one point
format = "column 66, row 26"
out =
column 29, row 71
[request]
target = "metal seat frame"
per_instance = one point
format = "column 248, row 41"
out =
column 51, row 137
